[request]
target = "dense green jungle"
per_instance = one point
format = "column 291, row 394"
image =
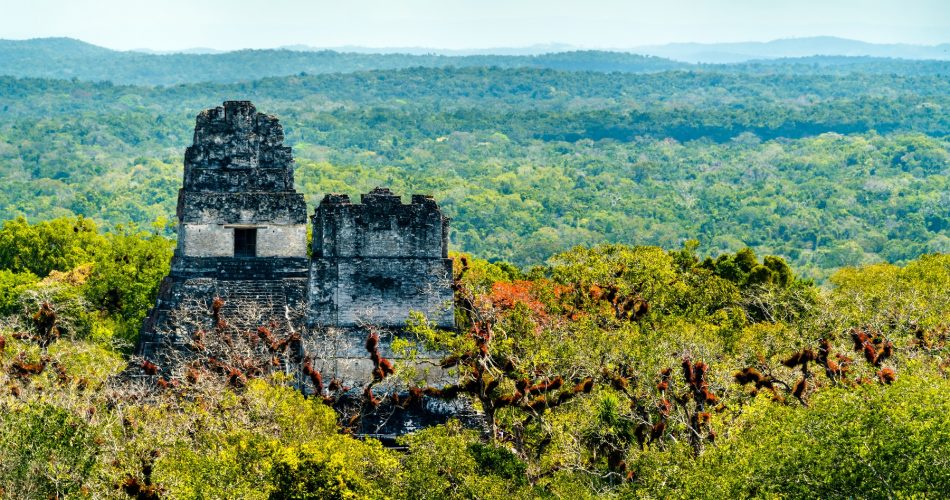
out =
column 825, row 170
column 671, row 280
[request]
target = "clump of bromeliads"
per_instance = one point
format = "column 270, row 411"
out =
column 226, row 351
column 232, row 345
column 837, row 367
column 495, row 378
column 35, row 367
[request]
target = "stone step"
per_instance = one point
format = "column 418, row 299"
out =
column 270, row 293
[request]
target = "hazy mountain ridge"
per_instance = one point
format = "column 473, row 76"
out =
column 530, row 50
column 792, row 48
column 729, row 52
column 64, row 58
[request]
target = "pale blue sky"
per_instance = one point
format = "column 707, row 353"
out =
column 457, row 24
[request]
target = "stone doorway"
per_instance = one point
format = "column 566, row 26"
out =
column 245, row 242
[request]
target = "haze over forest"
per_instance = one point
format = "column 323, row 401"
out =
column 455, row 24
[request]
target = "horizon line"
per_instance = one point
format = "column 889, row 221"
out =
column 483, row 50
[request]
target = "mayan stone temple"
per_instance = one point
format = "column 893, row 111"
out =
column 242, row 239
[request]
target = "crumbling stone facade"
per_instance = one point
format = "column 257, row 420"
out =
column 242, row 238
column 373, row 260
column 238, row 174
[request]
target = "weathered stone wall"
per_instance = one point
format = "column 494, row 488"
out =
column 376, row 261
column 380, row 291
column 217, row 240
column 238, row 172
column 162, row 329
column 235, row 136
column 205, row 240
column 242, row 208
column 341, row 352
column 373, row 262
column 380, row 226
column 274, row 240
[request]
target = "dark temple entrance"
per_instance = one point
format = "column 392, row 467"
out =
column 245, row 242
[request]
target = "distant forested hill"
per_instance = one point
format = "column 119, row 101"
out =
column 64, row 58
column 826, row 170
column 68, row 58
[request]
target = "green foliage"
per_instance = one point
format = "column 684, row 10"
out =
column 635, row 433
column 267, row 442
column 594, row 342
column 449, row 462
column 824, row 171
column 876, row 442
column 492, row 459
column 901, row 300
column 12, row 284
column 770, row 289
column 822, row 168
column 126, row 274
column 98, row 284
column 312, row 478
column 744, row 269
column 54, row 245
column 45, row 452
